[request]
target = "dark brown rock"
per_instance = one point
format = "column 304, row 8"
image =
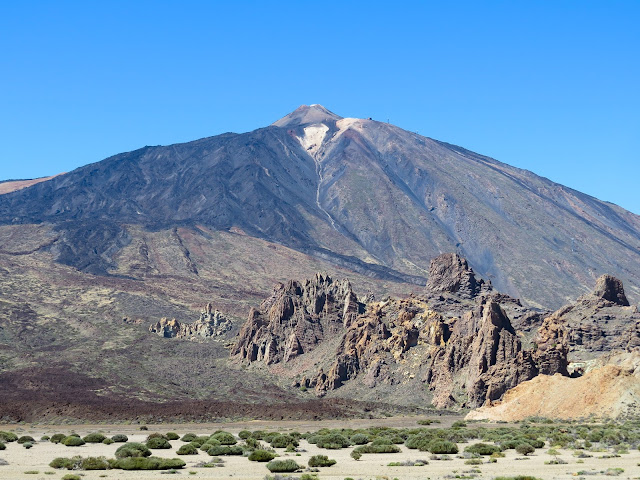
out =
column 611, row 289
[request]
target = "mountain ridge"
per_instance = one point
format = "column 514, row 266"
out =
column 363, row 194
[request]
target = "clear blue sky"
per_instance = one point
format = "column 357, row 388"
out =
column 550, row 86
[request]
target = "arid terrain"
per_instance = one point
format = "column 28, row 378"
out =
column 597, row 463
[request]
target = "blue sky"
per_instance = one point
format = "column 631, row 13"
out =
column 550, row 86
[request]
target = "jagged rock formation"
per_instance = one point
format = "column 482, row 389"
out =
column 296, row 318
column 450, row 273
column 468, row 352
column 600, row 321
column 211, row 323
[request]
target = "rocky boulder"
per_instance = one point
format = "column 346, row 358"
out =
column 450, row 273
column 211, row 323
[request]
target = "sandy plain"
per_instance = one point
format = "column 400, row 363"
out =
column 33, row 464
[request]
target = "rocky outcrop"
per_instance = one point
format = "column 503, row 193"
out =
column 481, row 359
column 296, row 318
column 610, row 289
column 600, row 321
column 211, row 323
column 449, row 273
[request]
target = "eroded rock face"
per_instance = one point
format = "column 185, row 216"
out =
column 450, row 273
column 600, row 321
column 296, row 318
column 456, row 338
column 611, row 289
column 211, row 323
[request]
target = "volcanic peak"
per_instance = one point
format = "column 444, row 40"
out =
column 305, row 115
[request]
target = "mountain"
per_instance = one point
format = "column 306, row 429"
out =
column 358, row 193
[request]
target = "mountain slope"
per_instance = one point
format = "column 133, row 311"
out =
column 360, row 193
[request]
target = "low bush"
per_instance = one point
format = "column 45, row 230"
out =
column 66, row 463
column 72, row 441
column 283, row 466
column 321, row 461
column 482, row 449
column 71, row 476
column 244, row 434
column 172, row 436
column 156, row 435
column 2, row 446
column 188, row 437
column 57, row 437
column 187, row 449
column 45, row 438
column 26, row 438
column 94, row 438
column 27, row 445
column 525, row 449
column 225, row 450
column 283, row 441
column 158, row 443
column 94, row 463
column 8, row 437
column 224, row 438
column 332, row 441
column 133, row 449
column 147, row 463
column 442, row 446
column 261, row 456
column 377, row 449
column 360, row 439
column 108, row 441
column 120, row 438
column 356, row 455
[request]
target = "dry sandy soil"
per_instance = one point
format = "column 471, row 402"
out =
column 371, row 466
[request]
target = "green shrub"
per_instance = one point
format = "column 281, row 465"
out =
column 244, row 434
column 321, row 461
column 132, row 449
column 147, row 463
column 281, row 466
column 225, row 450
column 94, row 438
column 356, row 455
column 224, row 438
column 26, row 438
column 212, row 442
column 120, row 438
column 71, row 476
column 360, row 439
column 67, row 463
column 107, row 441
column 156, row 435
column 473, row 461
column 172, row 436
column 158, row 443
column 57, row 438
column 525, row 449
column 144, row 427
column 482, row 449
column 187, row 449
column 2, row 446
column 377, row 449
column 458, row 424
column 188, row 437
column 72, row 441
column 283, row 441
column 8, row 437
column 332, row 441
column 45, row 438
column 94, row 463
column 27, row 445
column 261, row 456
column 442, row 446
